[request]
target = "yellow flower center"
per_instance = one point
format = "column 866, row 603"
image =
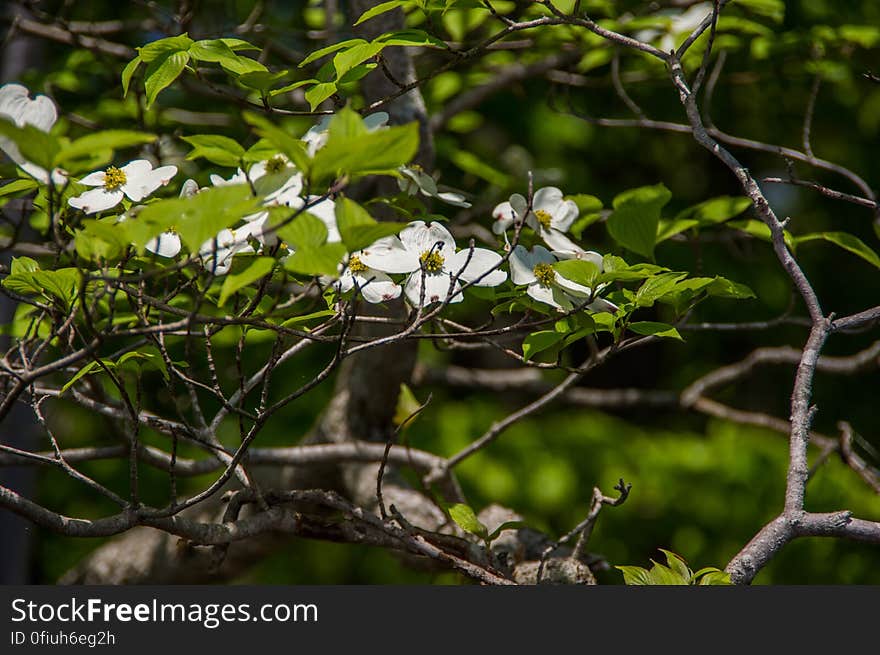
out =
column 172, row 229
column 276, row 164
column 114, row 178
column 432, row 261
column 544, row 274
column 355, row 265
column 544, row 218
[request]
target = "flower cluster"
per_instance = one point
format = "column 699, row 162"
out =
column 422, row 262
column 550, row 216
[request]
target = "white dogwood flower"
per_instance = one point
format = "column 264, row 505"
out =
column 551, row 216
column 534, row 269
column 428, row 253
column 217, row 253
column 17, row 107
column 137, row 180
column 373, row 286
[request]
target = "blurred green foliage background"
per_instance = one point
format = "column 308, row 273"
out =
column 701, row 487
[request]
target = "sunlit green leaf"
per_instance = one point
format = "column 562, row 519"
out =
column 633, row 224
column 162, row 71
column 467, row 520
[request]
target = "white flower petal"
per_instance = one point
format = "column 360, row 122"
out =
column 94, row 179
column 419, row 238
column 376, row 287
column 38, row 172
column 375, row 121
column 547, row 198
column 389, row 255
column 476, row 265
column 451, row 198
column 436, row 288
column 503, row 217
column 166, row 244
column 96, row 200
column 565, row 215
column 573, row 287
column 521, row 266
column 519, row 204
column 15, row 103
column 136, row 168
column 543, row 294
column 238, row 178
column 140, row 185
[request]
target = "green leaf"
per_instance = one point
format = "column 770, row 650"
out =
column 162, row 71
column 615, row 269
column 633, row 224
column 383, row 7
column 262, row 81
column 347, row 59
column 304, row 231
column 316, row 260
column 196, row 219
column 378, row 151
column 319, row 93
column 23, row 265
column 587, row 204
column 106, row 140
column 772, row 9
column 846, row 241
column 407, row 408
column 539, row 341
column 128, row 72
column 580, row 271
column 716, row 210
column 657, row 286
column 35, row 146
column 677, row 564
column 85, row 370
column 61, row 283
column 507, row 525
column 220, row 52
column 723, row 288
column 467, row 520
column 760, row 230
column 410, row 38
column 296, row 320
column 218, row 149
column 164, row 47
column 100, row 239
column 471, row 163
column 652, row 328
column 634, row 575
column 260, row 267
column 18, row 186
column 668, row 229
column 342, row 45
column 239, row 44
column 663, row 575
column 716, row 577
column 357, row 228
